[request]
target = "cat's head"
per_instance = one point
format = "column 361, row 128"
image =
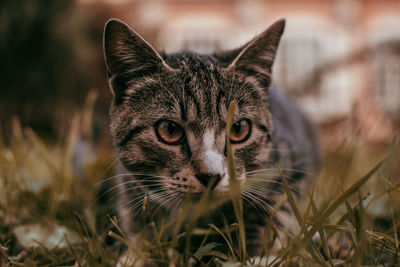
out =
column 168, row 114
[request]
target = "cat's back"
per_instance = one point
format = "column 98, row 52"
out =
column 295, row 138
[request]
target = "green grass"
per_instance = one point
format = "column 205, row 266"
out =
column 48, row 216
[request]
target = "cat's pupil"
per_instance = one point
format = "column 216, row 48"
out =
column 171, row 127
column 238, row 126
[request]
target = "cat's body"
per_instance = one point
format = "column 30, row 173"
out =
column 168, row 122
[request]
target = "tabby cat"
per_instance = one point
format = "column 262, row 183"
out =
column 168, row 125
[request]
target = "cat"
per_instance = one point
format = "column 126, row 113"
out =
column 168, row 125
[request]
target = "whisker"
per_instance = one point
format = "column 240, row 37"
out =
column 276, row 170
column 293, row 188
column 126, row 183
column 247, row 198
column 113, row 177
column 259, row 200
column 258, row 180
column 259, row 203
column 177, row 203
column 108, row 190
column 164, row 203
column 135, row 188
column 132, row 208
column 110, row 166
column 142, row 194
column 261, row 170
column 261, row 178
column 264, row 192
column 143, row 176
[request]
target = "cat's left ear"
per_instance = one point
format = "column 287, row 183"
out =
column 128, row 57
column 256, row 58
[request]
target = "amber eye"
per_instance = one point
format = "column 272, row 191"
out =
column 169, row 131
column 240, row 131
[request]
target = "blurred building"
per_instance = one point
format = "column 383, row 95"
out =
column 339, row 58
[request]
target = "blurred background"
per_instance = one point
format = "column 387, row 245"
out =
column 340, row 59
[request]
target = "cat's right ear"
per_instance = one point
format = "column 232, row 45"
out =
column 128, row 57
column 255, row 59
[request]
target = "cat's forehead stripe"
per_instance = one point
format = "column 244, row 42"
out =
column 192, row 97
column 209, row 139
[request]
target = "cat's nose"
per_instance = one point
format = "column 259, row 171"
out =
column 209, row 180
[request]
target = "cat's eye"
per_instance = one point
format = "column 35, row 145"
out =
column 169, row 131
column 240, row 131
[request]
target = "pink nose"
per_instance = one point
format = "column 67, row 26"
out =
column 209, row 180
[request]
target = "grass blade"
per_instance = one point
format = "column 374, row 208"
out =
column 226, row 240
column 235, row 186
column 299, row 243
column 322, row 234
column 290, row 198
column 336, row 203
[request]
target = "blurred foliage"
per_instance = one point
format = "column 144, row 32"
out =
column 51, row 55
column 47, row 211
column 48, row 214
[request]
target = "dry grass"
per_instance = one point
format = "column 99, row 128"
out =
column 48, row 216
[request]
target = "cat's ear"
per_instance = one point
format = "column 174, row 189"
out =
column 128, row 56
column 255, row 59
